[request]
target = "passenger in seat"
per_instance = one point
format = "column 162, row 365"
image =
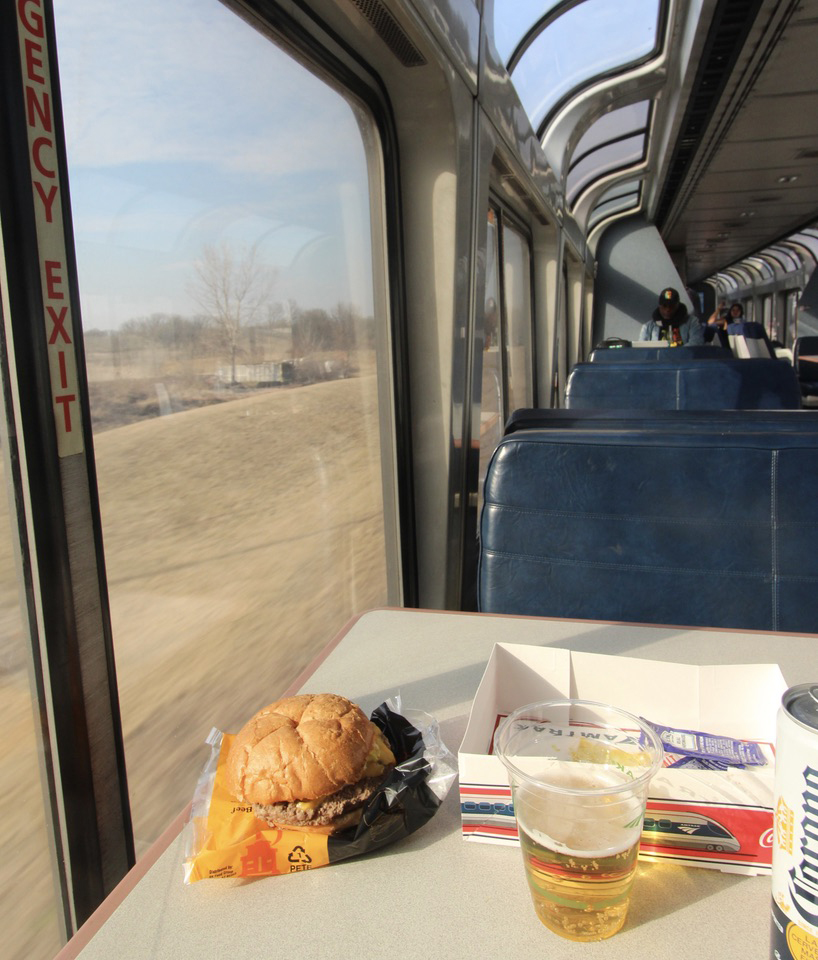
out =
column 672, row 322
column 753, row 332
column 716, row 329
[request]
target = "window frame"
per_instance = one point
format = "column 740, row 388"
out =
column 57, row 501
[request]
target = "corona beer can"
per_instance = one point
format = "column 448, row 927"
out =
column 794, row 934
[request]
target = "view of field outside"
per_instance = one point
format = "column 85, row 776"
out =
column 239, row 537
column 235, row 354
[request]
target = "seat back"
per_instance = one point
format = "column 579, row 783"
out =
column 749, row 339
column 662, row 354
column 688, row 526
column 805, row 362
column 728, row 421
column 722, row 384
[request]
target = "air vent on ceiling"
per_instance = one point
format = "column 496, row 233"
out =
column 731, row 24
column 390, row 31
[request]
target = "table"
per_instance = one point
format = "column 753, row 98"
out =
column 434, row 894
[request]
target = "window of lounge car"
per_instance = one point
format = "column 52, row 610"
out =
column 243, row 442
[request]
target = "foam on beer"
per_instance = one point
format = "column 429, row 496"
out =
column 587, row 826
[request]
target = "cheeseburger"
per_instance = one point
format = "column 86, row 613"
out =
column 309, row 762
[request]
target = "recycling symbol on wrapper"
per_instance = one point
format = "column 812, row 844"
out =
column 299, row 855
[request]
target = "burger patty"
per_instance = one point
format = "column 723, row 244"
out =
column 329, row 809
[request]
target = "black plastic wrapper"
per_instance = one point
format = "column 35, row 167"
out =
column 225, row 839
column 403, row 802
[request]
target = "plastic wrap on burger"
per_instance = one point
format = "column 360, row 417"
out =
column 310, row 780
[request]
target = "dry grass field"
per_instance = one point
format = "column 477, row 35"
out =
column 239, row 537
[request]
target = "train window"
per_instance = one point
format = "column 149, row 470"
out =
column 561, row 359
column 617, row 199
column 513, row 19
column 623, row 153
column 616, row 140
column 30, row 911
column 491, row 397
column 797, row 327
column 518, row 326
column 586, row 40
column 508, row 350
column 236, row 334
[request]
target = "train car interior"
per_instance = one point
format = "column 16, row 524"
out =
column 315, row 307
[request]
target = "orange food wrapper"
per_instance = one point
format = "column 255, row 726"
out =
column 224, row 838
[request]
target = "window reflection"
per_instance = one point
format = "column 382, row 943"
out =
column 30, row 913
column 236, row 354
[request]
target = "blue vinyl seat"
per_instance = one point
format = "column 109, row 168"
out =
column 760, row 383
column 805, row 361
column 661, row 354
column 526, row 418
column 749, row 339
column 684, row 523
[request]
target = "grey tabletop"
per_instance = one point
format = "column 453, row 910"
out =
column 433, row 894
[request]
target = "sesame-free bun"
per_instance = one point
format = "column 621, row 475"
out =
column 299, row 748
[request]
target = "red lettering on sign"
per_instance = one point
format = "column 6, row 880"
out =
column 41, row 106
column 53, row 279
column 44, row 165
column 36, row 147
column 33, row 22
column 58, row 329
column 65, row 400
column 38, row 111
column 33, row 62
column 47, row 198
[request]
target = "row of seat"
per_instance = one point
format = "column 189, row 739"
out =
column 723, row 383
column 672, row 517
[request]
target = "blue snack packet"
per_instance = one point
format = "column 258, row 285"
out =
column 723, row 751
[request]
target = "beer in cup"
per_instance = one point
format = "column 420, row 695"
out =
column 579, row 774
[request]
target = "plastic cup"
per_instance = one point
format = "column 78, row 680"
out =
column 579, row 774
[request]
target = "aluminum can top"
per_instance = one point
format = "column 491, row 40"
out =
column 801, row 703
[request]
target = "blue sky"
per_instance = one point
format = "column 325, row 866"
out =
column 185, row 126
column 587, row 39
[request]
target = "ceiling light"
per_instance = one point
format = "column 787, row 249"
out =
column 788, row 178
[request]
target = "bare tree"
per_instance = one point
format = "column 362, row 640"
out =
column 347, row 320
column 231, row 288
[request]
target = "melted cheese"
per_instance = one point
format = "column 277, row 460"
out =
column 380, row 757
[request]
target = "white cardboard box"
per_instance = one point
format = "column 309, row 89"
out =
column 707, row 818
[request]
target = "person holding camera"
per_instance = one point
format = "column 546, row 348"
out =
column 716, row 328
